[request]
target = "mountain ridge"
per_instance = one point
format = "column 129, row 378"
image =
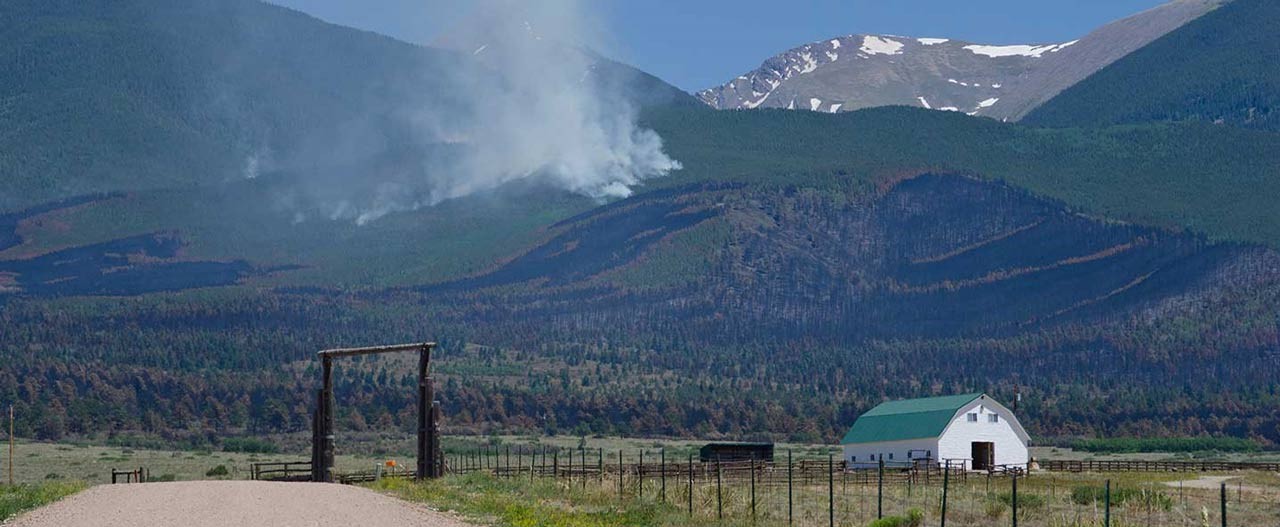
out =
column 1000, row 81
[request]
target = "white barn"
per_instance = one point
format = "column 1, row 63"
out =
column 972, row 429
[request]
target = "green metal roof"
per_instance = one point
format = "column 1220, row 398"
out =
column 907, row 419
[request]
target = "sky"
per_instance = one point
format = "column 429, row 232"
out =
column 696, row 44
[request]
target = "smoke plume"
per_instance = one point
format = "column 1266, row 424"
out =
column 529, row 103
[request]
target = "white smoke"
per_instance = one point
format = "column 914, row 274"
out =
column 532, row 109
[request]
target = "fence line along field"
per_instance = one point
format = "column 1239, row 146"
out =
column 817, row 491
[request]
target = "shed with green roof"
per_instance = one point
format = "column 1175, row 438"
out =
column 971, row 430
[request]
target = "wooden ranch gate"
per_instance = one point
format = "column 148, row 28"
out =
column 430, row 460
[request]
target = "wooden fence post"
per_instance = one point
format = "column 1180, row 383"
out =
column 640, row 474
column 1224, row 505
column 1106, row 502
column 690, row 485
column 719, row 497
column 880, row 489
column 663, row 461
column 790, row 501
column 831, row 490
column 1014, row 499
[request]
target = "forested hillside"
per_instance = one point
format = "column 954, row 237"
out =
column 717, row 310
column 1222, row 68
column 149, row 94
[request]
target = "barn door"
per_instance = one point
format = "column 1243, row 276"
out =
column 983, row 455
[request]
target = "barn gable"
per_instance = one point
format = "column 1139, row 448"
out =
column 909, row 419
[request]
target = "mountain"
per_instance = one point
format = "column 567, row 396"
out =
column 1003, row 82
column 863, row 71
column 1222, row 68
column 1095, row 51
column 149, row 94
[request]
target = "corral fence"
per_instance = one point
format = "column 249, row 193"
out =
column 817, row 491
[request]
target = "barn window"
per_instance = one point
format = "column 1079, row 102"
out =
column 973, row 418
column 891, row 456
column 873, row 457
column 994, row 418
column 853, row 459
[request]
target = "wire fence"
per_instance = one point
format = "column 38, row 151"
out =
column 817, row 491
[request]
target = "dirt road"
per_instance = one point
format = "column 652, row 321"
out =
column 1213, row 483
column 232, row 503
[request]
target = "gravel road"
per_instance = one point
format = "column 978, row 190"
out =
column 232, row 503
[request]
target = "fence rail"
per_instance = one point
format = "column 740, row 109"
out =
column 138, row 475
column 765, row 472
column 286, row 471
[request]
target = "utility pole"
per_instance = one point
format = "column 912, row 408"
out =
column 11, row 445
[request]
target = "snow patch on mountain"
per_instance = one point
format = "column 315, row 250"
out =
column 872, row 45
column 1018, row 50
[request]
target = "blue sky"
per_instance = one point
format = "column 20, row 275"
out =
column 696, row 44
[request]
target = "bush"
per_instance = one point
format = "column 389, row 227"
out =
column 1129, row 445
column 220, row 470
column 914, row 518
column 994, row 509
column 1026, row 500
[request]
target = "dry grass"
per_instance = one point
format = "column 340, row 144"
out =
column 1045, row 500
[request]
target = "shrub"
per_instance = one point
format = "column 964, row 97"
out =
column 914, row 518
column 994, row 509
column 1026, row 500
column 1129, row 445
column 220, row 470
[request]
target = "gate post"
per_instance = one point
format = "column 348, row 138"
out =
column 427, row 441
column 326, row 422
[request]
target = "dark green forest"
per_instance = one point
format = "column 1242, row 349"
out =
column 1223, row 68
